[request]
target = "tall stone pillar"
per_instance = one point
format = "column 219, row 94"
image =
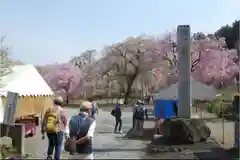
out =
column 184, row 67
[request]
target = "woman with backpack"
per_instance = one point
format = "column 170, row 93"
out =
column 138, row 116
column 53, row 124
column 117, row 113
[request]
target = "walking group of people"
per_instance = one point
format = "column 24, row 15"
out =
column 77, row 130
column 139, row 115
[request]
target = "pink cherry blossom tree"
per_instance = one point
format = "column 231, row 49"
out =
column 45, row 69
column 216, row 68
column 64, row 79
column 128, row 63
column 212, row 63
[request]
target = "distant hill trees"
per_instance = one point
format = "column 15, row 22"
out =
column 230, row 33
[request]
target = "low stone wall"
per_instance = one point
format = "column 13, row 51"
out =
column 101, row 101
column 16, row 132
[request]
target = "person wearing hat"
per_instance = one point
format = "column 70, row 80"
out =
column 118, row 117
column 139, row 113
column 80, row 131
column 54, row 122
column 94, row 107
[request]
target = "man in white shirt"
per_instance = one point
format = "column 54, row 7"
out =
column 81, row 127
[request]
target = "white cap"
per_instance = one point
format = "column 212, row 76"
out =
column 58, row 99
column 120, row 101
column 86, row 105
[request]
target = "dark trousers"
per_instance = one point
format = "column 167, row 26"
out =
column 55, row 142
column 133, row 122
column 118, row 124
column 93, row 116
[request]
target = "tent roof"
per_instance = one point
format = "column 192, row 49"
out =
column 26, row 81
column 200, row 91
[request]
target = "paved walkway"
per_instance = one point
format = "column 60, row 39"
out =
column 106, row 144
column 110, row 145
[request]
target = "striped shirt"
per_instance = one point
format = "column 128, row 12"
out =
column 63, row 119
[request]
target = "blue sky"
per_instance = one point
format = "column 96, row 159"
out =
column 47, row 31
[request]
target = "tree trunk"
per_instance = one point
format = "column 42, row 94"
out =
column 130, row 81
column 67, row 99
column 129, row 86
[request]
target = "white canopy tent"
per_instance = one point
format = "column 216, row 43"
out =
column 200, row 91
column 24, row 80
column 29, row 84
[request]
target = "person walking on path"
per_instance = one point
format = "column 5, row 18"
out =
column 53, row 124
column 118, row 118
column 139, row 114
column 94, row 107
column 80, row 132
column 136, row 107
column 133, row 117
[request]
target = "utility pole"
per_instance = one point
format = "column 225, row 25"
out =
column 142, row 84
column 237, row 109
column 1, row 54
column 238, row 57
column 184, row 68
column 90, row 55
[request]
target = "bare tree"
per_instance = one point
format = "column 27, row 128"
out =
column 84, row 59
column 5, row 62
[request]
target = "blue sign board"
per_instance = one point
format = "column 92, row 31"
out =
column 164, row 109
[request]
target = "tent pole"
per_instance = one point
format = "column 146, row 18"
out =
column 184, row 68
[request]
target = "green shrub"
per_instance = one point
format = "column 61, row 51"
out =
column 219, row 108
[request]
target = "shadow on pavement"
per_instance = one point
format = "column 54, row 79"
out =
column 214, row 153
column 234, row 152
column 118, row 149
column 203, row 150
column 104, row 132
column 146, row 135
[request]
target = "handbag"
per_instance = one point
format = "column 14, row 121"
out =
column 70, row 145
column 113, row 112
